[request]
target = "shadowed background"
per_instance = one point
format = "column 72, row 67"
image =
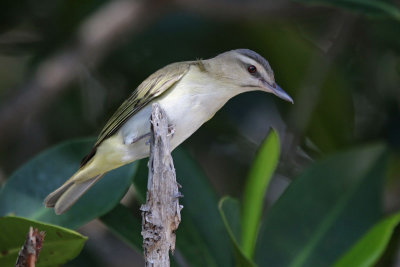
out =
column 67, row 65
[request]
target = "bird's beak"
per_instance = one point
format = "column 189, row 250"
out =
column 277, row 90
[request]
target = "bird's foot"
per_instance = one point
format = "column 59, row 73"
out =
column 134, row 140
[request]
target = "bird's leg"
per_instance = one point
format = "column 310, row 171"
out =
column 139, row 138
column 171, row 131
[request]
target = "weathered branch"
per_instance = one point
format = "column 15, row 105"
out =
column 161, row 213
column 29, row 252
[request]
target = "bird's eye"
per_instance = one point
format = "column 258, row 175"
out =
column 251, row 69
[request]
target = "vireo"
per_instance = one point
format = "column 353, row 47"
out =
column 189, row 92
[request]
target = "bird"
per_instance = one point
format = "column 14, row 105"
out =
column 189, row 92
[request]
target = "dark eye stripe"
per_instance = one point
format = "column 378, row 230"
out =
column 257, row 58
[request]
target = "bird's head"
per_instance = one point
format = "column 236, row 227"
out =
column 247, row 71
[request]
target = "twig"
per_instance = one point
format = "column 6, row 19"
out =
column 161, row 213
column 29, row 252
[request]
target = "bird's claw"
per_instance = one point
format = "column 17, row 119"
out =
column 134, row 140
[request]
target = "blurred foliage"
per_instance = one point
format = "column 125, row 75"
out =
column 314, row 227
column 25, row 190
column 344, row 204
column 256, row 185
column 339, row 60
column 60, row 244
column 125, row 225
column 366, row 7
column 367, row 251
column 229, row 209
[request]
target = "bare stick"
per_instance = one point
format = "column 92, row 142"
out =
column 29, row 252
column 161, row 213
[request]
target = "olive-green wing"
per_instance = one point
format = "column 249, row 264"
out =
column 151, row 88
column 155, row 85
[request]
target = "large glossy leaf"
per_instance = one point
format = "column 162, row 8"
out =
column 201, row 236
column 201, row 205
column 369, row 248
column 229, row 209
column 324, row 211
column 60, row 244
column 253, row 198
column 25, row 190
column 123, row 224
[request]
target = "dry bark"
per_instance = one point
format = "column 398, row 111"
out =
column 161, row 213
column 29, row 252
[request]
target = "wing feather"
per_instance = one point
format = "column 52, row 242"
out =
column 151, row 88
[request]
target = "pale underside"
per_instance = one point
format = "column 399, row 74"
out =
column 186, row 110
column 189, row 93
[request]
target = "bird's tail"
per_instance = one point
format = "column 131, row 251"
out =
column 66, row 195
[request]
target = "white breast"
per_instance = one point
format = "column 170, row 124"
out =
column 192, row 102
column 188, row 105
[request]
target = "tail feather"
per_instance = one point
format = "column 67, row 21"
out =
column 65, row 196
column 52, row 198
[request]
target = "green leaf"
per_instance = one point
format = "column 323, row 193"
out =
column 253, row 198
column 25, row 190
column 367, row 251
column 368, row 7
column 229, row 209
column 201, row 205
column 324, row 210
column 201, row 236
column 59, row 245
column 140, row 181
column 193, row 246
column 123, row 224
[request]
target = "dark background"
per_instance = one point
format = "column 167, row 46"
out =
column 66, row 66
